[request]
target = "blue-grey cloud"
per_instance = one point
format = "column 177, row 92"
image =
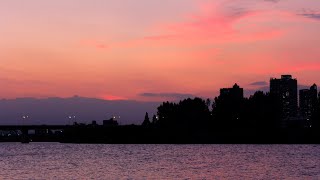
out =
column 249, row 92
column 259, row 83
column 167, row 95
column 310, row 14
column 300, row 86
column 56, row 110
column 237, row 11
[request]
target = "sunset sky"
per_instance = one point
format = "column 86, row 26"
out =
column 154, row 49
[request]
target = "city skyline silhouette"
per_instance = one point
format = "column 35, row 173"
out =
column 159, row 89
column 196, row 120
column 63, row 111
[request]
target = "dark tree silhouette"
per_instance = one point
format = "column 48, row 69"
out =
column 315, row 118
column 262, row 111
column 154, row 119
column 167, row 113
column 208, row 103
column 187, row 114
column 228, row 111
column 146, row 121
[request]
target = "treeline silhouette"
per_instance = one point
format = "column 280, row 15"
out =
column 257, row 119
column 226, row 119
column 259, row 111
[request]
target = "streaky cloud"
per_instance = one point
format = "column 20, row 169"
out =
column 167, row 95
column 259, row 83
column 308, row 13
column 273, row 1
column 315, row 16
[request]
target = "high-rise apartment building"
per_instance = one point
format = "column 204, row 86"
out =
column 235, row 92
column 286, row 90
column 308, row 101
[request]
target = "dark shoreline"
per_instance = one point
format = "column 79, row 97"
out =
column 132, row 134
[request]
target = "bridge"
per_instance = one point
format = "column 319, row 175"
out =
column 30, row 127
column 25, row 128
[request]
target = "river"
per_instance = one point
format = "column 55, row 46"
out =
column 104, row 161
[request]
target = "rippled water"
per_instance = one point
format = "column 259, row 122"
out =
column 74, row 161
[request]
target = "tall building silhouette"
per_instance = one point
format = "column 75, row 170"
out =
column 308, row 101
column 231, row 104
column 234, row 93
column 286, row 91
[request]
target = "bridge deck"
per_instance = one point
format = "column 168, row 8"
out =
column 6, row 127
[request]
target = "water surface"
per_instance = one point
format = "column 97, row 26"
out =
column 79, row 161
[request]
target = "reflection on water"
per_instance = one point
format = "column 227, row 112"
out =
column 74, row 161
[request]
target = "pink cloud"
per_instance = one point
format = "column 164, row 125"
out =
column 94, row 44
column 214, row 24
column 113, row 97
column 160, row 37
column 101, row 46
column 222, row 28
column 298, row 67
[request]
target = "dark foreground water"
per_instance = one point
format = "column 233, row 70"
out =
column 74, row 161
